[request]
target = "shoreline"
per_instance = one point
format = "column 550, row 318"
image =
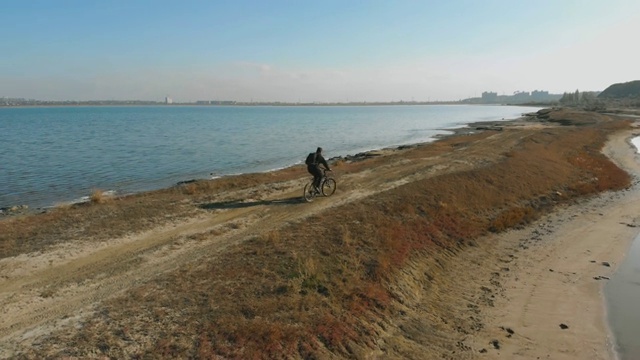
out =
column 622, row 308
column 555, row 302
column 631, row 164
column 464, row 129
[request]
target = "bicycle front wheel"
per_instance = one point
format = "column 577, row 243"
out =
column 328, row 187
column 309, row 192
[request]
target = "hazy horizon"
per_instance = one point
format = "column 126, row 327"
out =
column 296, row 51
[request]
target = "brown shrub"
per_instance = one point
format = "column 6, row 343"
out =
column 513, row 217
column 98, row 196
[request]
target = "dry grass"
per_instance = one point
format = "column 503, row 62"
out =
column 328, row 289
column 98, row 197
column 106, row 217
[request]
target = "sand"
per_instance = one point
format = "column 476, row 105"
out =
column 553, row 304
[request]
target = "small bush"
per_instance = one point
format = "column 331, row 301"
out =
column 98, row 197
column 513, row 217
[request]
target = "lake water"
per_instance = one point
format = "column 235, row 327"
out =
column 623, row 304
column 50, row 155
column 622, row 293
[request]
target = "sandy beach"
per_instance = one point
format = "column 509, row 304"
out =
column 506, row 260
column 558, row 274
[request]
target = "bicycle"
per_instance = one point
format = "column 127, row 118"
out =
column 327, row 187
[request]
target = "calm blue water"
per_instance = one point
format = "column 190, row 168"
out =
column 59, row 154
column 623, row 304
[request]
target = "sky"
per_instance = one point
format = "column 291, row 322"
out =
column 313, row 51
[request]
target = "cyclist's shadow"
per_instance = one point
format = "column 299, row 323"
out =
column 240, row 204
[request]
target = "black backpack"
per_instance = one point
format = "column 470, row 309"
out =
column 311, row 159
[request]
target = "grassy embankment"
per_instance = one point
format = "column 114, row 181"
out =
column 332, row 285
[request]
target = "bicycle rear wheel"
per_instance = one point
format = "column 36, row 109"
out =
column 328, row 187
column 309, row 192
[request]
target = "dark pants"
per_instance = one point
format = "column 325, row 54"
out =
column 317, row 174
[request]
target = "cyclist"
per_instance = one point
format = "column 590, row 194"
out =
column 313, row 166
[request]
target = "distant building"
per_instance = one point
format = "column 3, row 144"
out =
column 215, row 102
column 488, row 96
column 520, row 96
column 168, row 100
column 539, row 95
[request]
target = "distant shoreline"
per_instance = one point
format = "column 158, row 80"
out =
column 465, row 129
column 239, row 104
column 432, row 128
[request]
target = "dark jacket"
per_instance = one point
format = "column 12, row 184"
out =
column 319, row 160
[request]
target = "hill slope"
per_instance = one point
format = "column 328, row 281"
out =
column 629, row 89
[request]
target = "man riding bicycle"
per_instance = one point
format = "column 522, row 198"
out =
column 313, row 167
